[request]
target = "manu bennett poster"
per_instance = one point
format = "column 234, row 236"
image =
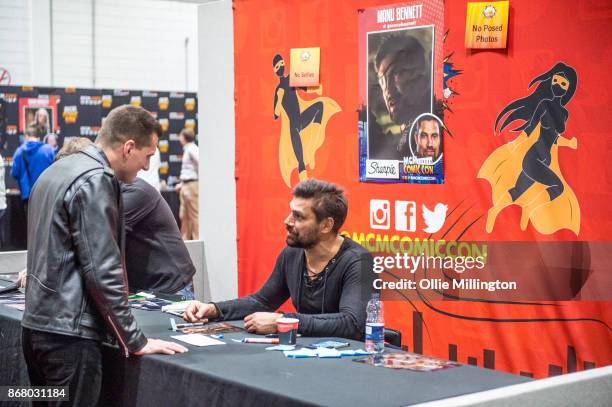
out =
column 401, row 128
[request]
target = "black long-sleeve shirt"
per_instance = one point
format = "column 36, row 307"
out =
column 156, row 257
column 332, row 305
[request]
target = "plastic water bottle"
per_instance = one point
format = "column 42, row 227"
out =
column 375, row 325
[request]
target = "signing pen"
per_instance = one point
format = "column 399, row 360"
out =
column 174, row 326
column 261, row 340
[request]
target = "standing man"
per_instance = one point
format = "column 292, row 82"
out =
column 30, row 160
column 76, row 295
column 188, row 188
column 327, row 276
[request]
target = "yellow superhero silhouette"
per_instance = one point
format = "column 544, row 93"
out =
column 526, row 171
column 302, row 125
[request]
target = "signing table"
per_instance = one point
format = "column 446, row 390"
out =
column 247, row 374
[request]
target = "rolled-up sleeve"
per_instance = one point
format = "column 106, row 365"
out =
column 269, row 297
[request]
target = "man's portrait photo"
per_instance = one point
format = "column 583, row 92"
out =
column 400, row 65
column 426, row 137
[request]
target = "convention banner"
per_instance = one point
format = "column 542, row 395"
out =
column 77, row 112
column 401, row 128
column 510, row 255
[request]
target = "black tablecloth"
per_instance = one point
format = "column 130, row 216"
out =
column 246, row 374
column 14, row 224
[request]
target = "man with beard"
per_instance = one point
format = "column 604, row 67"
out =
column 404, row 77
column 427, row 138
column 327, row 276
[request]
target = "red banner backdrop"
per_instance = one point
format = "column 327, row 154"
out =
column 566, row 238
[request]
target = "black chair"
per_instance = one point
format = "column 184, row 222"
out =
column 393, row 337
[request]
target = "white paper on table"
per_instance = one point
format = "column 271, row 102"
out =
column 178, row 307
column 198, row 340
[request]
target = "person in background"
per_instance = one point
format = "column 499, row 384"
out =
column 76, row 295
column 328, row 277
column 152, row 234
column 152, row 174
column 188, row 187
column 51, row 139
column 30, row 160
column 72, row 145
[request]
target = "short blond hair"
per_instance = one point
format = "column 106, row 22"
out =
column 74, row 145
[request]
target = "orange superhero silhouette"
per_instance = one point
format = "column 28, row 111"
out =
column 302, row 124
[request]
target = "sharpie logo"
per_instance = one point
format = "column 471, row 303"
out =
column 387, row 169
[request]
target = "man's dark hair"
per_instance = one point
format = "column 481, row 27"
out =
column 328, row 200
column 427, row 118
column 188, row 135
column 400, row 46
column 128, row 123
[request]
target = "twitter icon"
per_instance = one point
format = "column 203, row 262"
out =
column 434, row 219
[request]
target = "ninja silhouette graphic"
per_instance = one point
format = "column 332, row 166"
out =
column 526, row 171
column 303, row 124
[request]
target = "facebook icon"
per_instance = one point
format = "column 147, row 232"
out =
column 405, row 216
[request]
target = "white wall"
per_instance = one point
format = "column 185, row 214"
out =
column 15, row 39
column 72, row 43
column 217, row 151
column 135, row 44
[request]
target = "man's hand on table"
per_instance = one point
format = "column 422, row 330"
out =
column 23, row 275
column 159, row 346
column 262, row 323
column 259, row 322
column 200, row 312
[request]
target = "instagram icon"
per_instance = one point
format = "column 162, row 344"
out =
column 380, row 214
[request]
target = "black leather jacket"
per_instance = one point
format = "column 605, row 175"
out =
column 76, row 280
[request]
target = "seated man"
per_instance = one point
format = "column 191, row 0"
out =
column 327, row 276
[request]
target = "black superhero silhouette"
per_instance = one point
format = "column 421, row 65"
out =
column 536, row 184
